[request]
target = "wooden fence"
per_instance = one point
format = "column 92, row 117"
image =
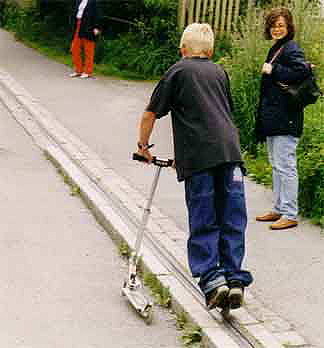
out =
column 222, row 15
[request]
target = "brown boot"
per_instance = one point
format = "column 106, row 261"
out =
column 272, row 216
column 283, row 224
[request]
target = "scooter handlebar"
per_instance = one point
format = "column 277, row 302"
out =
column 156, row 161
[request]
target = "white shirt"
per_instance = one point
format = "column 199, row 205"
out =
column 82, row 6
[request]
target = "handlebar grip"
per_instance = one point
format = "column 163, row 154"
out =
column 140, row 158
column 162, row 162
column 156, row 161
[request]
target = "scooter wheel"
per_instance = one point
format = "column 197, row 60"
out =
column 148, row 316
column 124, row 286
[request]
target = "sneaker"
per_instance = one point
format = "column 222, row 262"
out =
column 283, row 224
column 85, row 76
column 272, row 216
column 217, row 297
column 236, row 294
column 75, row 74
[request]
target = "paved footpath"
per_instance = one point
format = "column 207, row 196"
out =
column 61, row 275
column 104, row 114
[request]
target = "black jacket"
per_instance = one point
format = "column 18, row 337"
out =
column 276, row 116
column 90, row 20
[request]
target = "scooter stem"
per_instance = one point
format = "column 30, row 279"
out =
column 147, row 212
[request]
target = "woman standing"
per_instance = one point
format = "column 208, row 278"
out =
column 85, row 21
column 278, row 122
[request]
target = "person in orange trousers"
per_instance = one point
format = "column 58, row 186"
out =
column 86, row 28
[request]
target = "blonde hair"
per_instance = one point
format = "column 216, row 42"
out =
column 197, row 39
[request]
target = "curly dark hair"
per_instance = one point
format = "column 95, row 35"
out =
column 273, row 16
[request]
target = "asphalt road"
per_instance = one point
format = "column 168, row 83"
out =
column 61, row 275
column 104, row 113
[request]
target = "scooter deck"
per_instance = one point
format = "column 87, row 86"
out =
column 130, row 289
column 138, row 300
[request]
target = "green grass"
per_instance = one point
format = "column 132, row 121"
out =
column 161, row 294
column 54, row 53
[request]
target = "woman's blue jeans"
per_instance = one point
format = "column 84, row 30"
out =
column 283, row 159
column 217, row 222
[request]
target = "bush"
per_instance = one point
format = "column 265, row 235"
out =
column 127, row 54
column 11, row 16
column 151, row 43
column 248, row 51
column 30, row 24
column 311, row 165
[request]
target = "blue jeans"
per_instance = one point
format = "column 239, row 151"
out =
column 217, row 222
column 282, row 157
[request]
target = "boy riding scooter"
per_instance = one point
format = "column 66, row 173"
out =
column 208, row 160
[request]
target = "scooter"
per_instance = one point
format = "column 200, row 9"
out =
column 132, row 287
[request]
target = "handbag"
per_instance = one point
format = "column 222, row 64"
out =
column 303, row 93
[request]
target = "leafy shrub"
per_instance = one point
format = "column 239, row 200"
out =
column 11, row 15
column 311, row 164
column 126, row 53
column 248, row 51
column 34, row 26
